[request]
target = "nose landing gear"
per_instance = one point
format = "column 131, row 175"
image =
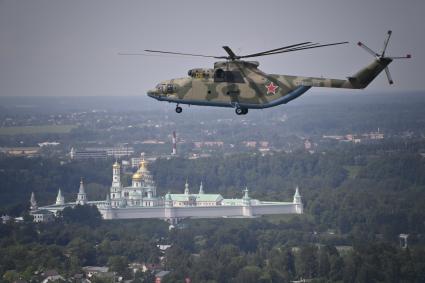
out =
column 241, row 111
column 179, row 109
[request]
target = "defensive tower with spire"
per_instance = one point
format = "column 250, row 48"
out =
column 297, row 201
column 60, row 200
column 33, row 202
column 81, row 197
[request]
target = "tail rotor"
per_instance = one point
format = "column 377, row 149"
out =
column 382, row 57
column 387, row 39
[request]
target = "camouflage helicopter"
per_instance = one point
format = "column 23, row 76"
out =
column 241, row 85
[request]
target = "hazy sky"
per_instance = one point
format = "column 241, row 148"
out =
column 70, row 47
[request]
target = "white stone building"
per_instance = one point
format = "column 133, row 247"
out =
column 39, row 215
column 140, row 200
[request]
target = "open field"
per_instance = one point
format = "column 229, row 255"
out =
column 45, row 129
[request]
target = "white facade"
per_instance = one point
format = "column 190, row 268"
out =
column 42, row 215
column 141, row 201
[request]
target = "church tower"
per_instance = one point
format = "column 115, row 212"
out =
column 60, row 200
column 116, row 175
column 297, row 201
column 81, row 197
column 186, row 188
column 116, row 185
column 138, row 177
column 33, row 202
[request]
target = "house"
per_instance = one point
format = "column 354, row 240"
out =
column 51, row 276
column 89, row 271
column 160, row 275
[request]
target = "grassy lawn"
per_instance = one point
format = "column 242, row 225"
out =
column 47, row 129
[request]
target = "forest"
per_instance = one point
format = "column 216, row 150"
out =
column 357, row 199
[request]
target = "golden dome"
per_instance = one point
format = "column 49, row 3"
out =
column 142, row 165
column 116, row 165
column 137, row 176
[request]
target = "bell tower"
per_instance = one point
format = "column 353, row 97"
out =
column 116, row 175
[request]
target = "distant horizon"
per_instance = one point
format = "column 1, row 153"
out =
column 333, row 92
column 70, row 48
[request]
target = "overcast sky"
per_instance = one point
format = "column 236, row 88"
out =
column 64, row 48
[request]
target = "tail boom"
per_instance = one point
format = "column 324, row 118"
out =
column 359, row 80
column 363, row 77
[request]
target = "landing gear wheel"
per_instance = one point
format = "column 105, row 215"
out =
column 241, row 111
column 179, row 109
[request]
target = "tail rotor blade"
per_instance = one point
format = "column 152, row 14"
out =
column 408, row 56
column 368, row 50
column 386, row 43
column 387, row 72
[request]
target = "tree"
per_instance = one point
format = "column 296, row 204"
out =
column 82, row 214
column 147, row 276
column 306, row 262
column 83, row 251
column 119, row 264
column 11, row 276
column 249, row 274
column 324, row 264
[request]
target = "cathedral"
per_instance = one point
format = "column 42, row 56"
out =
column 140, row 200
column 142, row 191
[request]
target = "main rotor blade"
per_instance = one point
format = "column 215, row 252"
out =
column 185, row 54
column 277, row 49
column 135, row 54
column 229, row 51
column 296, row 49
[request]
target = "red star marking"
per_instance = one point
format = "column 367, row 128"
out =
column 271, row 88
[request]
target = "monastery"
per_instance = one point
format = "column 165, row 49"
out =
column 140, row 200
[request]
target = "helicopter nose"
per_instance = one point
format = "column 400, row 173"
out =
column 153, row 93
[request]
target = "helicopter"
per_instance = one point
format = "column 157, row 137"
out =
column 241, row 85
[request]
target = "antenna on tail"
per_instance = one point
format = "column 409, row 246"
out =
column 382, row 55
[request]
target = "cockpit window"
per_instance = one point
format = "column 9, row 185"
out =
column 166, row 88
column 170, row 88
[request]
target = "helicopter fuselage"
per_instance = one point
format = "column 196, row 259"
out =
column 241, row 85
